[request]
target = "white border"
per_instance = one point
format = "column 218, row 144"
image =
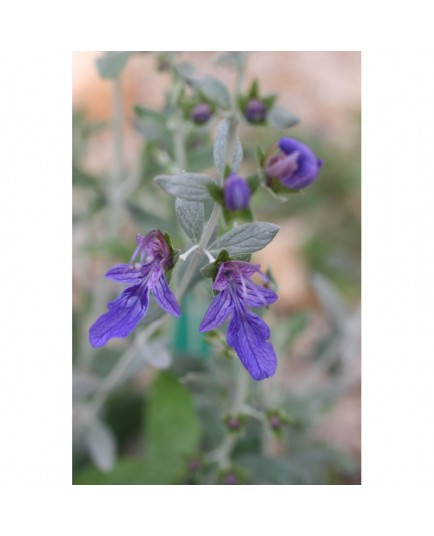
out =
column 398, row 96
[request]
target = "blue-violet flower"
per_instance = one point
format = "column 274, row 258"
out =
column 130, row 307
column 247, row 333
column 236, row 192
column 295, row 165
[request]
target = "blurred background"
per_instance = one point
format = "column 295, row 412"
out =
column 162, row 419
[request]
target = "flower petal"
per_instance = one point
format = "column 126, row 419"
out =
column 283, row 166
column 257, row 296
column 219, row 309
column 125, row 273
column 247, row 334
column 123, row 316
column 165, row 297
column 231, row 270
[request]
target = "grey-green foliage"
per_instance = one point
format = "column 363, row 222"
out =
column 213, row 90
column 191, row 216
column 190, row 186
column 112, row 63
column 279, row 118
column 245, row 238
column 171, row 434
column 220, row 148
column 101, row 444
column 83, row 384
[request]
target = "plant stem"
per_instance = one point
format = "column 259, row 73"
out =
column 179, row 143
column 222, row 455
column 214, row 218
column 117, row 172
column 100, row 293
column 124, row 361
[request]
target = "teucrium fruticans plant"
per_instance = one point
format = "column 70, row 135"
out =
column 159, row 274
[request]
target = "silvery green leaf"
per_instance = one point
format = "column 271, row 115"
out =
column 157, row 356
column 151, row 123
column 111, row 64
column 350, row 343
column 235, row 60
column 83, row 385
column 220, row 148
column 101, row 445
column 279, row 118
column 245, row 238
column 191, row 186
column 330, row 299
column 185, row 70
column 153, row 354
column 191, row 215
column 213, row 90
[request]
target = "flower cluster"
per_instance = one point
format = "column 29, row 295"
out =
column 247, row 333
column 290, row 165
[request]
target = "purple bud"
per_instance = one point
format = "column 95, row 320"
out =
column 194, row 465
column 294, row 165
column 255, row 111
column 230, row 478
column 201, row 113
column 275, row 422
column 233, row 423
column 236, row 192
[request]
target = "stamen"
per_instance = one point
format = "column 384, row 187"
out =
column 135, row 254
column 185, row 255
column 208, row 254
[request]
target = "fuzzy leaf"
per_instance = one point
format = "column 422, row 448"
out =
column 279, row 118
column 111, row 64
column 213, row 90
column 170, row 409
column 150, row 123
column 101, row 445
column 190, row 186
column 246, row 238
column 220, row 148
column 191, row 215
column 83, row 384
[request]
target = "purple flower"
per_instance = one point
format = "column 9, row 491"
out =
column 295, row 165
column 147, row 275
column 247, row 333
column 201, row 113
column 236, row 192
column 255, row 111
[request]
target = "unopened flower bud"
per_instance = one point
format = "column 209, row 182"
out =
column 294, row 165
column 236, row 193
column 233, row 423
column 255, row 111
column 194, row 465
column 201, row 113
column 275, row 422
column 230, row 478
